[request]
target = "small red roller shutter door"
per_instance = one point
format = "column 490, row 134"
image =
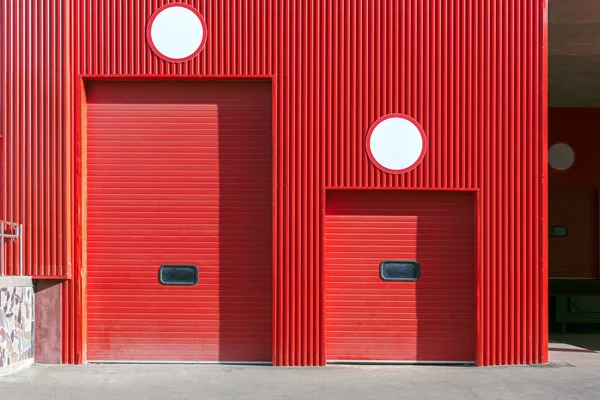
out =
column 369, row 319
column 179, row 173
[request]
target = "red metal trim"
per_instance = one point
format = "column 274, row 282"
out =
column 276, row 242
column 68, row 246
column 74, row 310
column 202, row 43
column 81, row 281
column 543, row 342
column 425, row 189
column 370, row 153
column 479, row 276
column 190, row 77
column 323, row 274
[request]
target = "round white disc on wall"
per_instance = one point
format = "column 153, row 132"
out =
column 561, row 156
column 396, row 143
column 177, row 32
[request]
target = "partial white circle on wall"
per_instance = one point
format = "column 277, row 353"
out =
column 561, row 156
column 177, row 32
column 396, row 143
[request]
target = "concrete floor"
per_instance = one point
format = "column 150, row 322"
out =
column 574, row 373
column 579, row 349
column 133, row 382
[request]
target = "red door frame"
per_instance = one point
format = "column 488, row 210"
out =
column 78, row 319
column 478, row 257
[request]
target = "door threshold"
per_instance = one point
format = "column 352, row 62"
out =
column 257, row 363
column 399, row 362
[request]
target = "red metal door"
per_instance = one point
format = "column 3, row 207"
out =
column 576, row 254
column 179, row 173
column 431, row 319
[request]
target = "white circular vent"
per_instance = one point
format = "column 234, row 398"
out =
column 561, row 156
column 396, row 143
column 177, row 32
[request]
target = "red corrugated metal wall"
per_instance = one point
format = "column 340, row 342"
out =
column 35, row 84
column 472, row 73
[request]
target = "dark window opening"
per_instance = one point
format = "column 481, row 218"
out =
column 400, row 271
column 178, row 275
column 558, row 231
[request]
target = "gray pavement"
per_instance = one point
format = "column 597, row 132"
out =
column 574, row 373
column 109, row 382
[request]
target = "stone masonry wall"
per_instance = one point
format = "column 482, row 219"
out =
column 16, row 323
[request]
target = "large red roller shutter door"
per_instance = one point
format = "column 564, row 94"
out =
column 179, row 173
column 431, row 319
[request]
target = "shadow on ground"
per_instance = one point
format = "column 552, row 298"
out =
column 585, row 337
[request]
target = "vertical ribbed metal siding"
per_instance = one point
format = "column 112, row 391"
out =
column 34, row 84
column 112, row 38
column 471, row 73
